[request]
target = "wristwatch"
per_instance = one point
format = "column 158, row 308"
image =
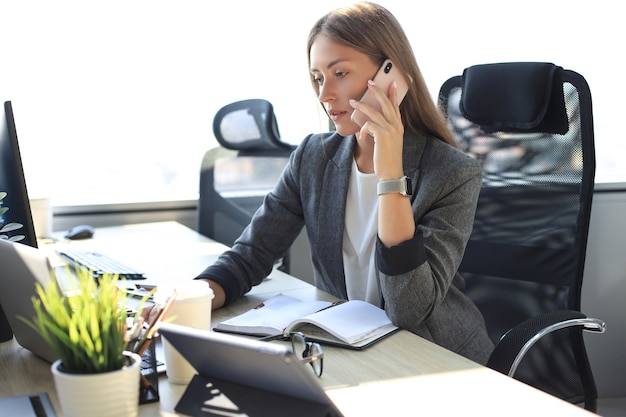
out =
column 402, row 186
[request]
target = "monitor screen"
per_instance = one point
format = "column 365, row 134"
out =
column 16, row 222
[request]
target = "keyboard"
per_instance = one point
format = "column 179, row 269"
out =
column 99, row 264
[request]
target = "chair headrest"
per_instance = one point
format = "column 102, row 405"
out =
column 515, row 97
column 248, row 125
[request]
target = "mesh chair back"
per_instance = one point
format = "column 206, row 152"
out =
column 235, row 176
column 530, row 125
column 249, row 127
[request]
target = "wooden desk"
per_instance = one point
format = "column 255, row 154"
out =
column 401, row 375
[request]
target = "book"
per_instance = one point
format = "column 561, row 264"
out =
column 35, row 405
column 352, row 324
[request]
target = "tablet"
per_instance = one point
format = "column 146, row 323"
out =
column 250, row 363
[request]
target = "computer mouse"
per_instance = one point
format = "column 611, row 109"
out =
column 82, row 231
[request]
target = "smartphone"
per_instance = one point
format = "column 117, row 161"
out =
column 387, row 73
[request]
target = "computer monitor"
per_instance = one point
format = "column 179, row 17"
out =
column 13, row 183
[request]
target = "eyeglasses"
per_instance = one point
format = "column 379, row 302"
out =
column 306, row 351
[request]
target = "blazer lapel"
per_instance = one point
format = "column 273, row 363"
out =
column 331, row 219
column 332, row 204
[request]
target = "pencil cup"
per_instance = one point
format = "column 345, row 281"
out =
column 192, row 308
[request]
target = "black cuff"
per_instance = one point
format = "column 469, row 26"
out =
column 401, row 258
column 223, row 277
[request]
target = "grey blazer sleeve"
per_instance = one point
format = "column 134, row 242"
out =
column 418, row 279
column 274, row 227
column 416, row 275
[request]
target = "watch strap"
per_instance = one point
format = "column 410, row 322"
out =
column 402, row 186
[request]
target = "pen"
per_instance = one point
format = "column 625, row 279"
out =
column 336, row 303
column 166, row 308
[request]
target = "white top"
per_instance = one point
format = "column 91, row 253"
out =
column 359, row 237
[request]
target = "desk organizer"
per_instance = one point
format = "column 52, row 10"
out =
column 149, row 386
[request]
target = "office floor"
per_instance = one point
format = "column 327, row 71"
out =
column 612, row 407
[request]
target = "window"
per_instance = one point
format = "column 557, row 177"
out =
column 114, row 101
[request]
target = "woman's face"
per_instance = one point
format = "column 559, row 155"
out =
column 341, row 73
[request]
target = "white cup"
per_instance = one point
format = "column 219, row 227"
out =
column 41, row 211
column 192, row 307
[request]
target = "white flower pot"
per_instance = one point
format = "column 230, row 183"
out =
column 104, row 394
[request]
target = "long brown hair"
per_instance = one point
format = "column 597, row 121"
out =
column 372, row 30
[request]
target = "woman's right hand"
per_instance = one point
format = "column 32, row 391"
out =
column 219, row 295
column 386, row 129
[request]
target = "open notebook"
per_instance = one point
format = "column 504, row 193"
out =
column 350, row 324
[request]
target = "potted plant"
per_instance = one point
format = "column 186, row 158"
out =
column 87, row 327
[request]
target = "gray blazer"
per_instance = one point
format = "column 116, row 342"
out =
column 420, row 287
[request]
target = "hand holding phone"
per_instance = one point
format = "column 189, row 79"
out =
column 387, row 73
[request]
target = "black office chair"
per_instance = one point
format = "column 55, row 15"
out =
column 531, row 126
column 235, row 176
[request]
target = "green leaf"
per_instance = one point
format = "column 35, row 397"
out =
column 87, row 329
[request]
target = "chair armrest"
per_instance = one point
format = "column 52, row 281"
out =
column 515, row 343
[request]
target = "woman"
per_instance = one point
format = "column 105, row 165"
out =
column 400, row 252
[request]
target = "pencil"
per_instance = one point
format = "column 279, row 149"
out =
column 149, row 334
